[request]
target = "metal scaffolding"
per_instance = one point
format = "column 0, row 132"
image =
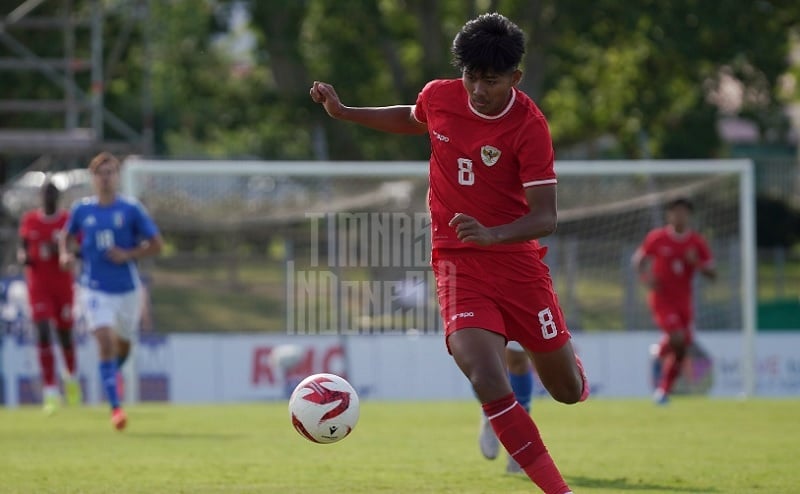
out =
column 78, row 104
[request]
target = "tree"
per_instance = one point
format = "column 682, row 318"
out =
column 646, row 68
column 606, row 68
column 643, row 73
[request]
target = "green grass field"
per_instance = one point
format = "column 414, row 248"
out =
column 602, row 446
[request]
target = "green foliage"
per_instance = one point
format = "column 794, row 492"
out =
column 624, row 70
column 777, row 224
column 605, row 68
column 648, row 67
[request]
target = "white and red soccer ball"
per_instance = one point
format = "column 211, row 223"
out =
column 324, row 408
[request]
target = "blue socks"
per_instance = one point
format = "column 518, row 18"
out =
column 522, row 385
column 108, row 376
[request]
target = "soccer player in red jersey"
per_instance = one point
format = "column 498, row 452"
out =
column 492, row 194
column 666, row 262
column 50, row 290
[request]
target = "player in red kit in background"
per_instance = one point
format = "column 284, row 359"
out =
column 50, row 292
column 666, row 262
column 492, row 194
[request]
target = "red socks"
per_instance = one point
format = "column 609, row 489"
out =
column 517, row 432
column 670, row 372
column 47, row 364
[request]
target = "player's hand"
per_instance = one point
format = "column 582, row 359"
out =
column 651, row 282
column 468, row 229
column 119, row 256
column 66, row 260
column 324, row 94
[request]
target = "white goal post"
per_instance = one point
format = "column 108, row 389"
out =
column 591, row 193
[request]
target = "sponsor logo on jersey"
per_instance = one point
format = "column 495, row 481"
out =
column 490, row 155
column 441, row 137
column 462, row 314
column 118, row 219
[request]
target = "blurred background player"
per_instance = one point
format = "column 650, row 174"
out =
column 666, row 262
column 520, row 375
column 115, row 232
column 50, row 293
column 492, row 194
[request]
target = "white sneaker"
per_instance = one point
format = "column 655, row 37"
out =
column 660, row 397
column 487, row 440
column 51, row 400
column 72, row 391
column 512, row 466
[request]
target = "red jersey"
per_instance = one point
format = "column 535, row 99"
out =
column 40, row 233
column 675, row 258
column 480, row 165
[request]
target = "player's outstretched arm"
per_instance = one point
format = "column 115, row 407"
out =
column 398, row 119
column 709, row 271
column 702, row 260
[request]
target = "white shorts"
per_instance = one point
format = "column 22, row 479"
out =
column 119, row 311
column 514, row 346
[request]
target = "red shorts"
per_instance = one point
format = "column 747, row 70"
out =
column 508, row 293
column 53, row 303
column 674, row 319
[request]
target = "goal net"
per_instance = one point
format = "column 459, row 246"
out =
column 315, row 247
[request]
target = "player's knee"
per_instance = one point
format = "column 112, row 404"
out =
column 568, row 392
column 677, row 339
column 43, row 333
column 65, row 339
column 105, row 343
column 489, row 386
column 678, row 346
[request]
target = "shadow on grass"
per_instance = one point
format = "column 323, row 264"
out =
column 623, row 484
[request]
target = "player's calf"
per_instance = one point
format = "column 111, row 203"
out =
column 519, row 435
column 562, row 374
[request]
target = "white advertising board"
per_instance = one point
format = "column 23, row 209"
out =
column 201, row 368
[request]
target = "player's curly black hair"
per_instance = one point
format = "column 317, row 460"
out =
column 490, row 42
column 680, row 202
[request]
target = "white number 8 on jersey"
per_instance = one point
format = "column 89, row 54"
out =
column 549, row 329
column 465, row 174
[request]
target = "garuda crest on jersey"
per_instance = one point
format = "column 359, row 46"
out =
column 490, row 155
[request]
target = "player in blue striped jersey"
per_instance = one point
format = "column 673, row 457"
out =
column 113, row 232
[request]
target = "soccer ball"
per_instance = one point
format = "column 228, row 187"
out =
column 284, row 357
column 324, row 408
